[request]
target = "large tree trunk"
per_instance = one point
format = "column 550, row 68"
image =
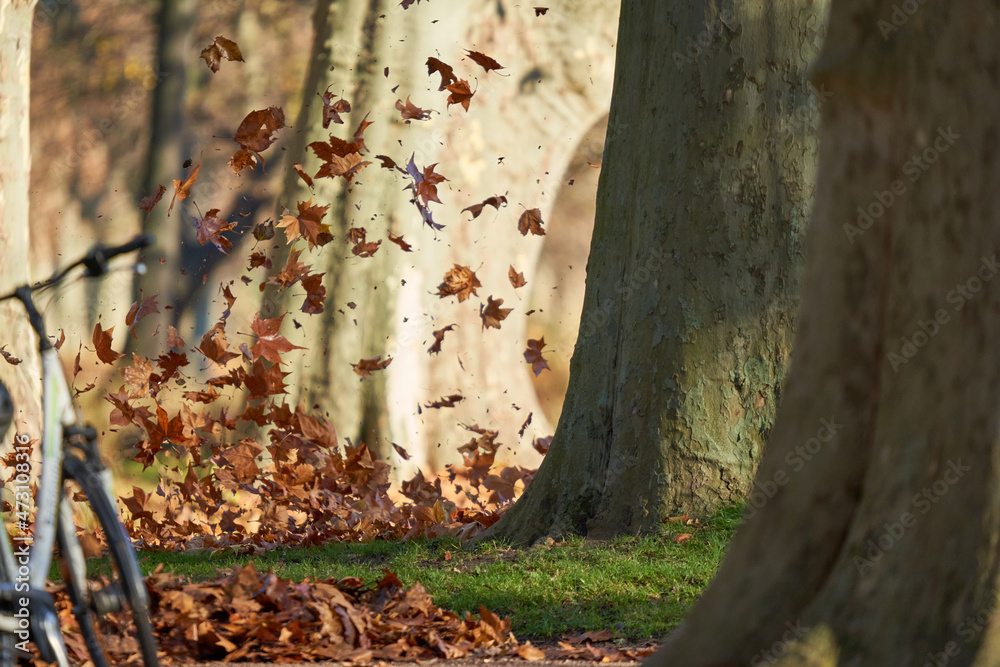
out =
column 167, row 153
column 552, row 90
column 15, row 165
column 878, row 545
column 693, row 271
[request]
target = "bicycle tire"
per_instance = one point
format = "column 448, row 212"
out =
column 126, row 563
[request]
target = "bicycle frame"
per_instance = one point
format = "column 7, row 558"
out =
column 26, row 609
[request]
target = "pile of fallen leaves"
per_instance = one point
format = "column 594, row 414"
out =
column 251, row 616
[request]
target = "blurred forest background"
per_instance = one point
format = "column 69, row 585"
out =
column 99, row 72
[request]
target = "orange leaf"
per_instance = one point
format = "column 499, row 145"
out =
column 460, row 281
column 531, row 221
column 484, row 60
column 102, row 344
column 682, row 538
column 493, row 314
column 219, row 49
column 516, row 279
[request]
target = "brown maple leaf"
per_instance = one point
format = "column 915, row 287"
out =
column 255, row 134
column 147, row 203
column 540, row 11
column 270, row 344
column 366, row 367
column 531, row 221
column 445, row 70
column 484, row 60
column 492, row 314
column 291, row 273
column 533, row 355
column 300, row 170
column 102, row 344
column 332, row 110
column 461, row 281
column 410, row 111
column 439, row 338
column 315, row 294
column 210, row 228
column 215, row 346
column 495, row 201
column 308, row 224
column 219, row 49
column 516, row 279
column 14, row 361
column 241, row 460
column 139, row 311
column 460, row 93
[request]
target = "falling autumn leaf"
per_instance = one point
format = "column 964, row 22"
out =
column 302, row 174
column 315, row 294
column 516, row 279
column 102, row 345
column 540, row 11
column 332, row 110
column 446, row 402
column 182, row 189
column 307, row 224
column 215, row 346
column 405, row 455
column 445, row 70
column 398, row 240
column 270, row 344
column 219, row 49
column 139, row 311
column 484, row 60
column 210, row 228
column 492, row 314
column 531, row 221
column 410, row 111
column 256, row 133
column 366, row 367
column 533, row 355
column 147, row 203
column 460, row 281
column 8, row 357
column 439, row 338
column 495, row 201
column 460, row 93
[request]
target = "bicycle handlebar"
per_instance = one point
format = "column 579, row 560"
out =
column 95, row 263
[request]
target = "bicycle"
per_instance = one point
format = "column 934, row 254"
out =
column 68, row 453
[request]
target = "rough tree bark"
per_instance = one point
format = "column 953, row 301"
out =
column 880, row 543
column 15, row 164
column 693, row 271
column 552, row 90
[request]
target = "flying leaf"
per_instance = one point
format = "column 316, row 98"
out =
column 139, row 311
column 460, row 93
column 302, row 174
column 147, row 203
column 307, row 224
column 210, row 228
column 182, row 189
column 531, row 221
column 402, row 452
column 427, row 187
column 270, row 344
column 445, row 70
column 484, row 60
column 332, row 110
column 495, row 201
column 524, row 426
column 439, row 338
column 102, row 344
column 461, row 281
column 533, row 355
column 410, row 111
column 215, row 346
column 398, row 240
column 315, row 294
column 446, row 402
column 493, row 314
column 10, row 358
column 366, row 367
column 254, row 135
column 516, row 279
column 540, row 11
column 219, row 49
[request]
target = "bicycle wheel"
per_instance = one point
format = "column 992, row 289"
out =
column 113, row 613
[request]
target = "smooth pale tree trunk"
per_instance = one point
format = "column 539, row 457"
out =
column 693, row 272
column 880, row 544
column 15, row 165
column 555, row 85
